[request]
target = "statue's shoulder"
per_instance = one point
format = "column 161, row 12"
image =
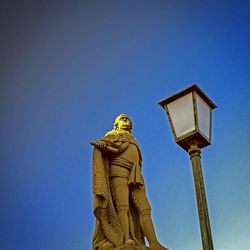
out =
column 110, row 134
column 129, row 138
column 113, row 137
column 110, row 137
column 118, row 137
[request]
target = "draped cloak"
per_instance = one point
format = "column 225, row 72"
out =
column 107, row 227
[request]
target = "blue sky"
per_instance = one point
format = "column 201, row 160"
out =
column 68, row 68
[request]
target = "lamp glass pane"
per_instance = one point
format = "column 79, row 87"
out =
column 203, row 111
column 182, row 115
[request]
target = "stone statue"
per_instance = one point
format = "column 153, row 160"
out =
column 121, row 207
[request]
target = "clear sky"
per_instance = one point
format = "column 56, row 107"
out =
column 68, row 68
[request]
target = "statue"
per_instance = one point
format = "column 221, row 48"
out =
column 121, row 207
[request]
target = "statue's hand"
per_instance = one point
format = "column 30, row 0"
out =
column 104, row 146
column 101, row 144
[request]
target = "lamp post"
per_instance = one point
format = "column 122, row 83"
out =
column 190, row 114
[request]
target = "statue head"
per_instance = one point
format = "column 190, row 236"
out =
column 123, row 122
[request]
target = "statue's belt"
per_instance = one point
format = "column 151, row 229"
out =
column 135, row 176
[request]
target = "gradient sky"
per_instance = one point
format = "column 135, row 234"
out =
column 68, row 68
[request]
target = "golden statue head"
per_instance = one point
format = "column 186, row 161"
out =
column 123, row 122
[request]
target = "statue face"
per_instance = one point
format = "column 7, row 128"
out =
column 123, row 123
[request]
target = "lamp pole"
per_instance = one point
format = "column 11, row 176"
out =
column 205, row 230
column 190, row 113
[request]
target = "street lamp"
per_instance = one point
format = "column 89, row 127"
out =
column 190, row 114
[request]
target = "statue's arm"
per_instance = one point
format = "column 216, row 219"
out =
column 103, row 145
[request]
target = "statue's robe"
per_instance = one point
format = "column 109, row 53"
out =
column 107, row 227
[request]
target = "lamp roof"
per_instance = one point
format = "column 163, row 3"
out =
column 192, row 88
